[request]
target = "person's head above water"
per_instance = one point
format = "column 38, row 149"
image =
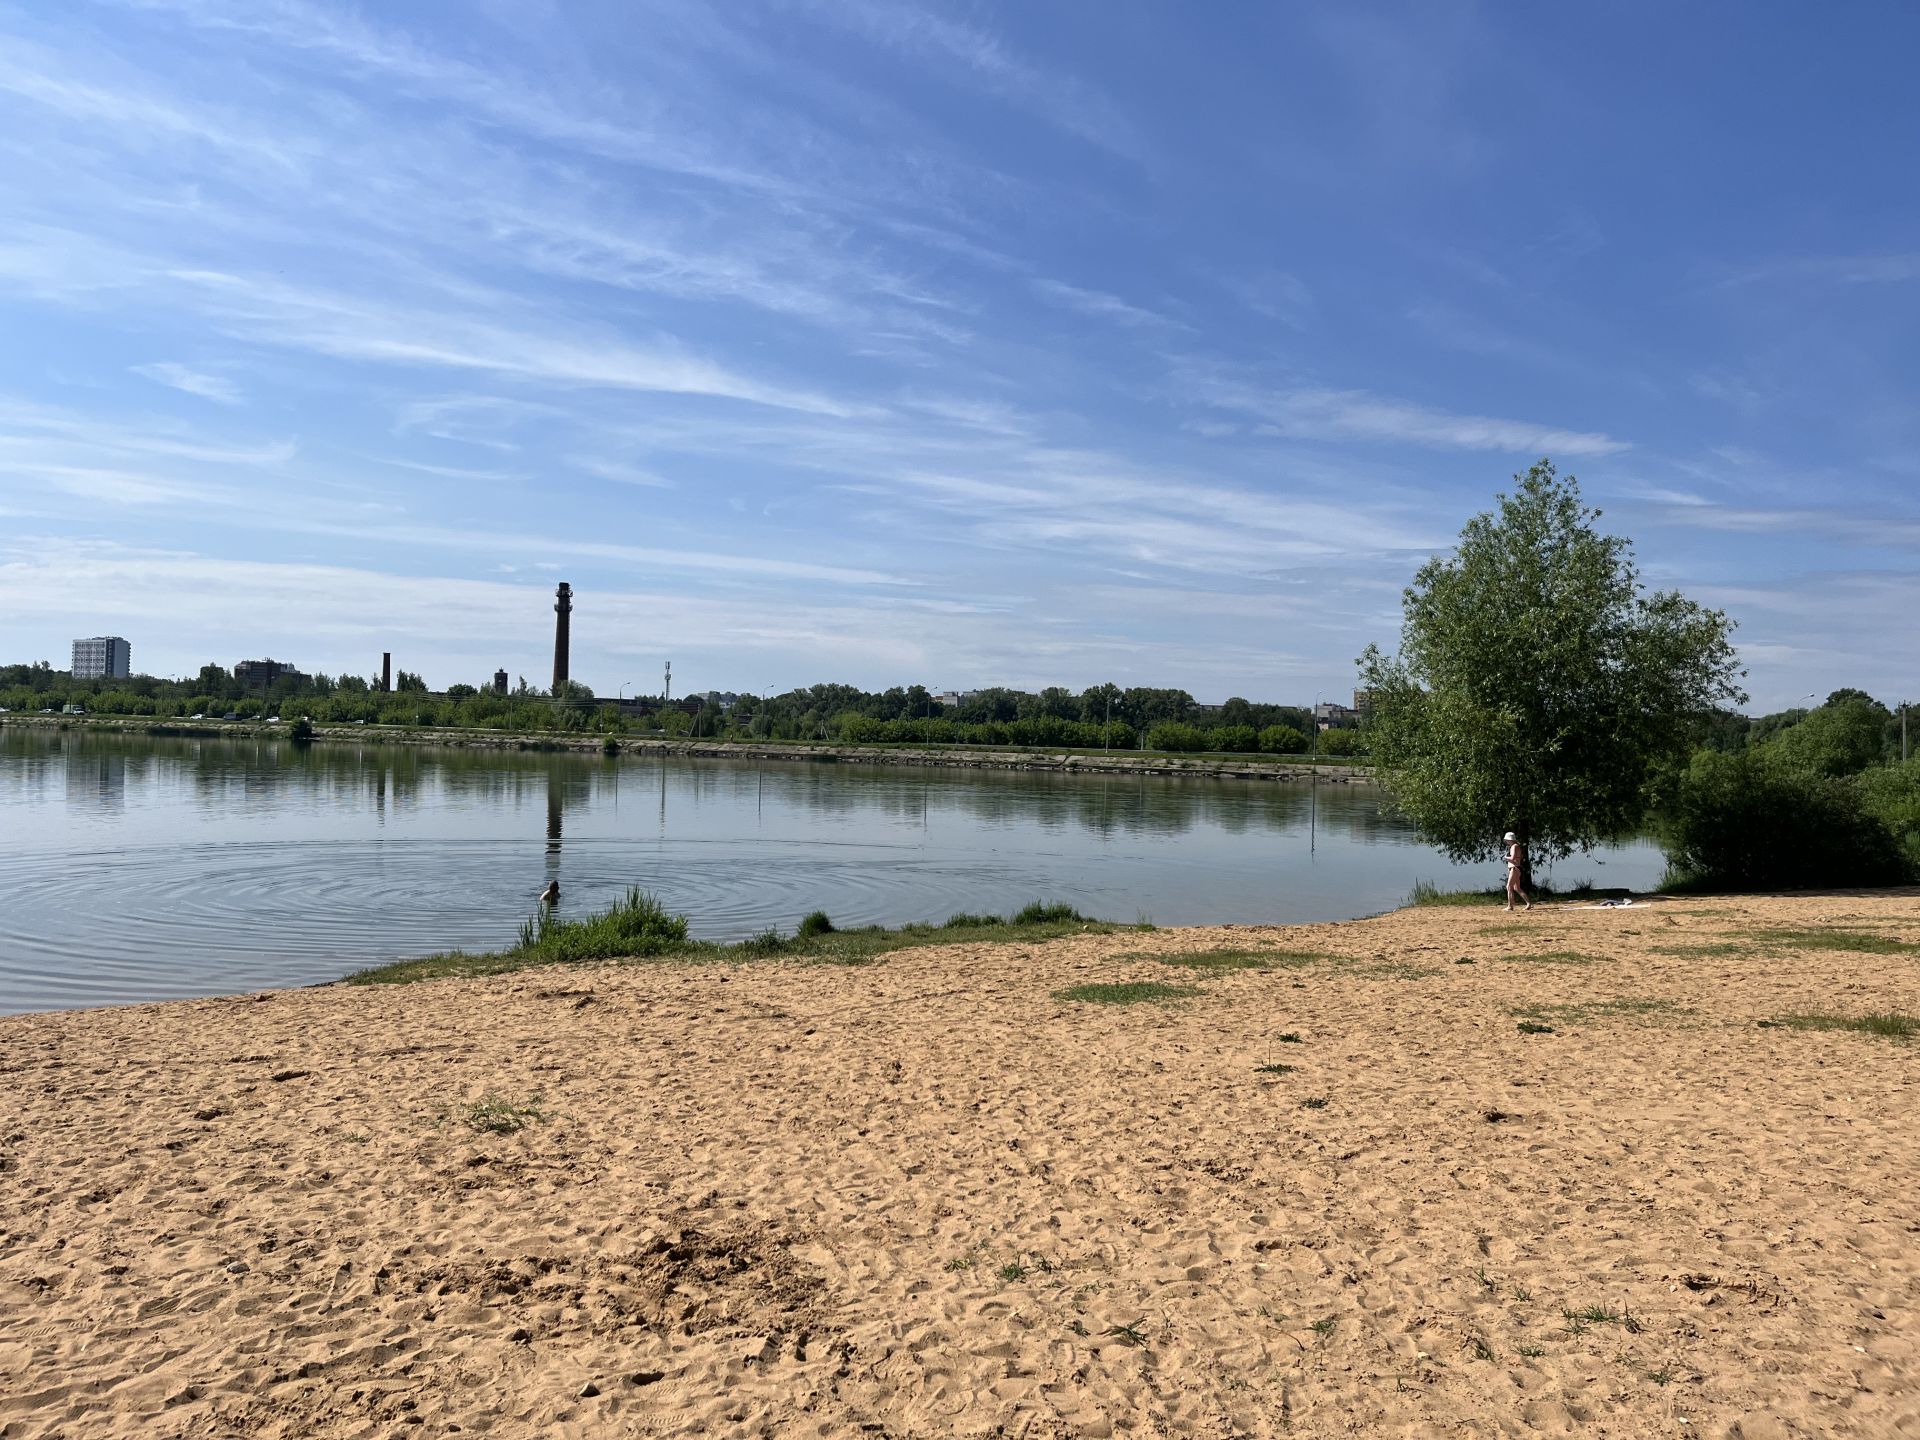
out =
column 552, row 892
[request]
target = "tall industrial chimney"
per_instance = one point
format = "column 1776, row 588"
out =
column 386, row 671
column 563, row 615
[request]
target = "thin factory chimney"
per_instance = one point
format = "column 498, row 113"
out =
column 563, row 617
column 386, row 672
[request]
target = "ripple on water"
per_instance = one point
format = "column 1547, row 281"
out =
column 214, row 918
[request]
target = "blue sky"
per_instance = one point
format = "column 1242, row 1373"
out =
column 959, row 344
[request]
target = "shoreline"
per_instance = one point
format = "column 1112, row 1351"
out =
column 1438, row 1170
column 1071, row 762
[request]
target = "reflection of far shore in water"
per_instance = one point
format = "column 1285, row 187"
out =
column 97, row 768
column 138, row 868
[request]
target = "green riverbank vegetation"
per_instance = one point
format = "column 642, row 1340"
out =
column 1103, row 717
column 639, row 927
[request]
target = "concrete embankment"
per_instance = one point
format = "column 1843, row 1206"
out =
column 960, row 757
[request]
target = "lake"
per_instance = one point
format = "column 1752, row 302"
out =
column 136, row 868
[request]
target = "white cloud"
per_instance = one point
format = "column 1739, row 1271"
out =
column 1335, row 415
column 1101, row 305
column 195, row 382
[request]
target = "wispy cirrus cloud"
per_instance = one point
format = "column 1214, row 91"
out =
column 193, row 382
column 1102, row 306
column 354, row 328
column 1058, row 98
column 1314, row 413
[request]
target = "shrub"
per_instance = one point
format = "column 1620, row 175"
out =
column 302, row 731
column 1343, row 741
column 1745, row 822
column 815, row 924
column 1837, row 739
column 1891, row 795
column 1282, row 740
column 1241, row 739
column 1176, row 737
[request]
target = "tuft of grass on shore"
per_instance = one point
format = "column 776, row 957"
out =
column 1425, row 893
column 1892, row 1024
column 1132, row 992
column 639, row 927
column 1835, row 938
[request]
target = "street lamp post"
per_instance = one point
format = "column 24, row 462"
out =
column 1313, row 784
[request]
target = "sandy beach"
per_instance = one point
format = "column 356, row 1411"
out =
column 1347, row 1194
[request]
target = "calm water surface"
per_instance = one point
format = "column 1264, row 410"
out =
column 142, row 869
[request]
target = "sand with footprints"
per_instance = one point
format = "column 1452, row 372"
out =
column 1347, row 1183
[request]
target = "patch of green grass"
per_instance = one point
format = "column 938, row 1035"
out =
column 1481, row 1349
column 639, row 927
column 1837, row 939
column 1425, row 892
column 1322, row 1328
column 1596, row 1315
column 1315, row 1102
column 1128, row 1334
column 1704, row 949
column 1891, row 1023
column 1663, row 1376
column 1013, row 1270
column 1531, row 1352
column 1559, row 957
column 494, row 1115
column 1275, row 1069
column 1043, row 912
column 1129, row 993
column 1534, row 1027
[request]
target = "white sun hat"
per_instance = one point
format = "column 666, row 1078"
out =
column 1509, row 837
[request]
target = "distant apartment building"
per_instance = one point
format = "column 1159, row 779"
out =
column 1329, row 716
column 263, row 675
column 499, row 682
column 105, row 657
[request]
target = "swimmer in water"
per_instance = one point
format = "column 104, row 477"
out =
column 551, row 895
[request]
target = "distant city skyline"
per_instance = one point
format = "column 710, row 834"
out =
column 946, row 344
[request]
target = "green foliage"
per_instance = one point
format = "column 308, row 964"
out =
column 637, row 925
column 1042, row 912
column 1746, row 821
column 1538, row 687
column 1841, row 739
column 302, row 730
column 815, row 923
column 1177, row 737
column 1240, row 739
column 1343, row 740
column 964, row 921
column 1891, row 794
column 1282, row 740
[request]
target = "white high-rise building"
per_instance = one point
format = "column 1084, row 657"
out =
column 105, row 657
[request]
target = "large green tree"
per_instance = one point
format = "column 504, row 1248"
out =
column 1539, row 686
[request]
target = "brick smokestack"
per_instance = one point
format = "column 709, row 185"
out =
column 386, row 671
column 563, row 616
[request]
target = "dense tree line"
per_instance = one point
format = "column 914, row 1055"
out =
column 1104, row 716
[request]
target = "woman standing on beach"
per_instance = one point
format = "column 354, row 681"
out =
column 1519, row 880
